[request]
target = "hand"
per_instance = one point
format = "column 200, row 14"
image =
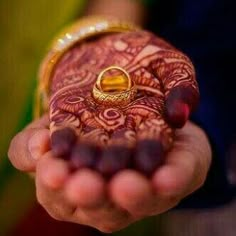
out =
column 85, row 197
column 109, row 139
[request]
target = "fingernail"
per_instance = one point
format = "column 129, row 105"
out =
column 39, row 144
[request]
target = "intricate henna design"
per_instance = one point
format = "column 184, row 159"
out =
column 137, row 135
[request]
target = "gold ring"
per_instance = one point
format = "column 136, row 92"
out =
column 114, row 83
column 114, row 90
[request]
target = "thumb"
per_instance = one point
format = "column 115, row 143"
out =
column 28, row 145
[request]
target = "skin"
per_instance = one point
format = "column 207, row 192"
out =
column 167, row 93
column 128, row 10
column 85, row 196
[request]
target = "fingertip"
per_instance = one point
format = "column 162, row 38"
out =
column 62, row 141
column 131, row 190
column 149, row 156
column 52, row 172
column 171, row 181
column 86, row 188
column 163, row 182
column 180, row 102
column 114, row 159
column 177, row 113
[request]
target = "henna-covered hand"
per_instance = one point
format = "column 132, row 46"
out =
column 84, row 197
column 105, row 139
column 109, row 138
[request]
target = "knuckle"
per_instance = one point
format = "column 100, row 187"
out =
column 56, row 209
column 201, row 172
column 14, row 154
column 41, row 164
column 201, row 180
column 110, row 227
column 41, row 199
column 171, row 197
column 204, row 149
column 51, row 209
column 12, row 148
column 168, row 194
column 200, row 184
column 18, row 153
column 55, row 214
column 106, row 229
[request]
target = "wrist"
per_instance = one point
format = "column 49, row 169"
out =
column 127, row 10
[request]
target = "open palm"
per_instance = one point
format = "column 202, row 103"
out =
column 100, row 141
column 137, row 135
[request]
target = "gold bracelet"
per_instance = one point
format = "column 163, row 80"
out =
column 84, row 28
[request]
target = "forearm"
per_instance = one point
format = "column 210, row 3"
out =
column 129, row 10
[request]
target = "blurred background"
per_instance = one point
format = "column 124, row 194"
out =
column 26, row 29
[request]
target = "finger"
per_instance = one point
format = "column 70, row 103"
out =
column 177, row 75
column 186, row 165
column 86, row 188
column 180, row 102
column 132, row 191
column 51, row 175
column 29, row 145
column 149, row 156
column 119, row 150
column 84, row 155
column 52, row 172
column 153, row 137
column 62, row 141
column 114, row 159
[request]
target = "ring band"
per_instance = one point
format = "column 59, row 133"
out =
column 116, row 90
column 117, row 99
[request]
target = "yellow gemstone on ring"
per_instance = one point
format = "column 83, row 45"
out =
column 116, row 82
column 114, row 90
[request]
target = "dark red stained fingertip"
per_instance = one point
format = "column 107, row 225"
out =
column 177, row 113
column 114, row 159
column 84, row 155
column 149, row 155
column 62, row 142
column 180, row 102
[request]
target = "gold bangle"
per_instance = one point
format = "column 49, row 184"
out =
column 84, row 28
